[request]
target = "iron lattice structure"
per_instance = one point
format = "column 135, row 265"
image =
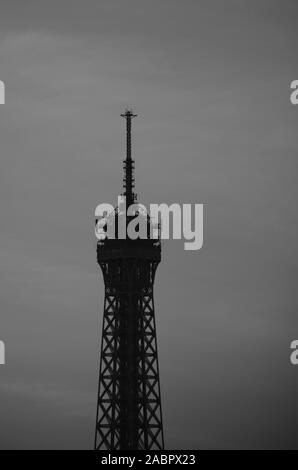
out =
column 129, row 414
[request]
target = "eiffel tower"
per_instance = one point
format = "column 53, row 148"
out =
column 129, row 414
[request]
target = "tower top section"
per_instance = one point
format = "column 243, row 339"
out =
column 128, row 163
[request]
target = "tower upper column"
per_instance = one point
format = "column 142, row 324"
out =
column 128, row 163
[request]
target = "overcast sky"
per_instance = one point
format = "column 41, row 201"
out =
column 210, row 81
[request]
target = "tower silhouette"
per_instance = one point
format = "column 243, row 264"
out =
column 129, row 414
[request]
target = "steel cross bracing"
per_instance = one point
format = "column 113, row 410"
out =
column 129, row 408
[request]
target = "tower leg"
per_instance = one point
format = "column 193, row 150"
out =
column 129, row 412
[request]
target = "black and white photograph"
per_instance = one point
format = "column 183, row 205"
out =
column 149, row 227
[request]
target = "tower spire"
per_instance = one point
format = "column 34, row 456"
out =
column 128, row 164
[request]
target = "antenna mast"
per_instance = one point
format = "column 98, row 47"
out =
column 128, row 164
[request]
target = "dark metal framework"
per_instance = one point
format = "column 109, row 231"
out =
column 129, row 414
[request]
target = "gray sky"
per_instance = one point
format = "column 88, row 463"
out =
column 210, row 82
